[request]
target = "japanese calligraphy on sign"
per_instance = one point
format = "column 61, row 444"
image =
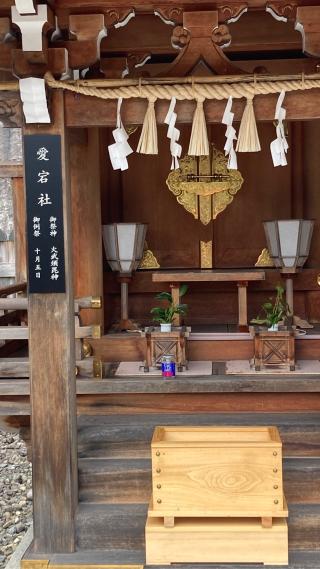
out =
column 46, row 264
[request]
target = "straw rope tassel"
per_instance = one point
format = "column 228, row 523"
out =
column 148, row 141
column 199, row 144
column 248, row 138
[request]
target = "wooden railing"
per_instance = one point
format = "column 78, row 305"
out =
column 14, row 328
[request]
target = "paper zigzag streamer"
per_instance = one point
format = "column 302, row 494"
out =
column 119, row 151
column 33, row 97
column 279, row 146
column 231, row 136
column 173, row 134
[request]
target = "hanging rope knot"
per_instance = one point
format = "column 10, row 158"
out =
column 199, row 144
column 248, row 139
column 148, row 142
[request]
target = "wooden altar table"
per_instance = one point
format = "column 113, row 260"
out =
column 240, row 277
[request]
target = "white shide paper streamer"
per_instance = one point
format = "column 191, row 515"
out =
column 173, row 134
column 25, row 6
column 31, row 27
column 33, row 97
column 119, row 151
column 279, row 146
column 231, row 136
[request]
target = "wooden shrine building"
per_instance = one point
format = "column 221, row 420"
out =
column 126, row 111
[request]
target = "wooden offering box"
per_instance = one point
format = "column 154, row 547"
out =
column 217, row 472
column 218, row 541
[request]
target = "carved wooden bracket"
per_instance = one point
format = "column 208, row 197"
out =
column 88, row 31
column 170, row 14
column 201, row 38
column 5, row 30
column 84, row 51
column 36, row 64
column 282, row 11
column 113, row 67
column 308, row 24
column 228, row 13
column 118, row 17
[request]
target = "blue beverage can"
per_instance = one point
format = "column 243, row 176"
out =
column 168, row 366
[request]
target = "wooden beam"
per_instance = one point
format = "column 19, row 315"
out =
column 84, row 111
column 52, row 375
column 12, row 170
column 19, row 213
column 86, row 219
column 22, row 332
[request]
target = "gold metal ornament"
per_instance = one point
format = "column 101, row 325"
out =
column 149, row 260
column 264, row 259
column 87, row 350
column 203, row 185
column 96, row 302
column 97, row 369
column 206, row 261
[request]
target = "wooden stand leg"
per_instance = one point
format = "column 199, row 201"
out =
column 168, row 521
column 266, row 522
column 243, row 308
column 175, row 287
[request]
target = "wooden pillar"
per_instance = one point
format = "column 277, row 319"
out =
column 19, row 209
column 86, row 219
column 52, row 377
column 175, row 293
column 242, row 306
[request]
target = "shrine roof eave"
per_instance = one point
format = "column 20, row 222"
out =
column 147, row 6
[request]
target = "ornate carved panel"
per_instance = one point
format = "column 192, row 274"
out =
column 204, row 186
column 10, row 109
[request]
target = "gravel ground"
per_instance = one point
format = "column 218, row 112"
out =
column 15, row 494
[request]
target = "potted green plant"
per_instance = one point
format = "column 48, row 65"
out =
column 165, row 314
column 273, row 311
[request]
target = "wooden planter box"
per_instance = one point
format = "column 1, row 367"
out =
column 217, row 472
column 274, row 350
column 216, row 541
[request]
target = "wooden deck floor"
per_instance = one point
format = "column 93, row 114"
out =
column 115, row 484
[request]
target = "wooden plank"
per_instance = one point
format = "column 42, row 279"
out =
column 21, row 303
column 11, row 289
column 300, row 105
column 222, row 540
column 208, row 275
column 12, row 170
column 197, row 403
column 131, row 348
column 7, row 270
column 128, row 480
column 52, row 367
column 19, row 212
column 19, row 368
column 130, row 436
column 122, row 526
column 23, row 332
column 86, row 219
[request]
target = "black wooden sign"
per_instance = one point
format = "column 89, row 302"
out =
column 46, row 263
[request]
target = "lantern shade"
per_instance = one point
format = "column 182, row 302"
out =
column 289, row 241
column 123, row 243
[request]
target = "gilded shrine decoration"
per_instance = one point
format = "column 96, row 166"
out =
column 206, row 260
column 203, row 185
